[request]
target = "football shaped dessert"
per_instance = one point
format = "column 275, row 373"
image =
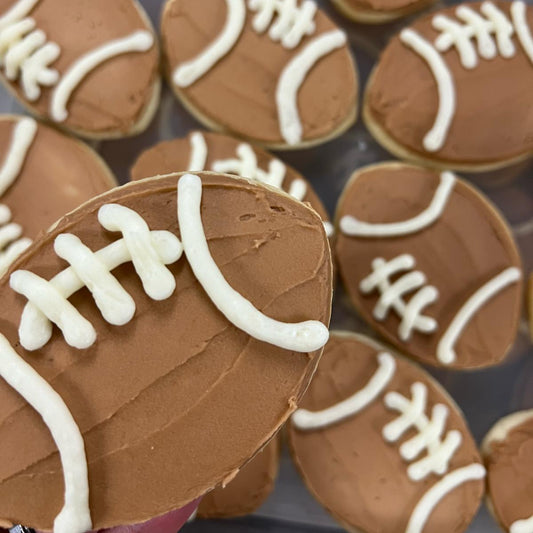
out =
column 221, row 153
column 508, row 454
column 382, row 446
column 451, row 90
column 89, row 66
column 378, row 11
column 250, row 488
column 43, row 176
column 279, row 73
column 151, row 343
column 430, row 264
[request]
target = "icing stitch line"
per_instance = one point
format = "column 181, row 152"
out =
column 10, row 237
column 306, row 420
column 353, row 227
column 199, row 152
column 75, row 516
column 138, row 41
column 437, row 492
column 522, row 526
column 445, row 349
column 292, row 78
column 300, row 337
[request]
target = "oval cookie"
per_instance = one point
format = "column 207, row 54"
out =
column 277, row 73
column 221, row 153
column 382, row 446
column 43, row 176
column 90, row 66
column 449, row 90
column 430, row 264
column 508, row 454
column 203, row 324
column 378, row 11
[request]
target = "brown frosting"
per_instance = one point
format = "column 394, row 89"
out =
column 238, row 94
column 174, row 156
column 382, row 5
column 351, row 470
column 250, row 488
column 59, row 174
column 509, row 465
column 468, row 245
column 178, row 397
column 112, row 97
column 491, row 122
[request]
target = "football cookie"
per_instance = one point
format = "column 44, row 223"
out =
column 277, row 72
column 378, row 11
column 221, row 153
column 430, row 264
column 450, row 90
column 163, row 331
column 43, row 176
column 508, row 453
column 382, row 446
column 250, row 488
column 89, row 66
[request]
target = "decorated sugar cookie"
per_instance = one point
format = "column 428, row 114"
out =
column 430, row 264
column 43, row 176
column 382, row 446
column 221, row 153
column 449, row 90
column 378, row 11
column 250, row 488
column 166, row 328
column 508, row 453
column 279, row 73
column 90, row 66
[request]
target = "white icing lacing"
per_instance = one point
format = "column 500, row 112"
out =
column 392, row 294
column 438, row 491
column 48, row 301
column 522, row 526
column 138, row 41
column 445, row 349
column 292, row 22
column 352, row 226
column 307, row 420
column 492, row 31
column 75, row 517
column 293, row 76
column 11, row 242
column 429, row 433
column 25, row 51
column 300, row 337
column 199, row 152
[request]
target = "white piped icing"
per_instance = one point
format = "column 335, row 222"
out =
column 138, row 41
column 523, row 31
column 25, row 52
column 445, row 349
column 188, row 73
column 48, row 300
column 392, row 294
column 75, row 517
column 198, row 152
column 12, row 244
column 307, row 420
column 329, row 228
column 300, row 337
column 429, row 433
column 438, row 491
column 292, row 22
column 522, row 526
column 353, row 227
column 293, row 76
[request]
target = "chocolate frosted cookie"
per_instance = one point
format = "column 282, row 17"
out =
column 449, row 90
column 90, row 66
column 250, row 488
column 43, row 176
column 166, row 328
column 221, row 153
column 277, row 73
column 430, row 264
column 382, row 446
column 378, row 11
